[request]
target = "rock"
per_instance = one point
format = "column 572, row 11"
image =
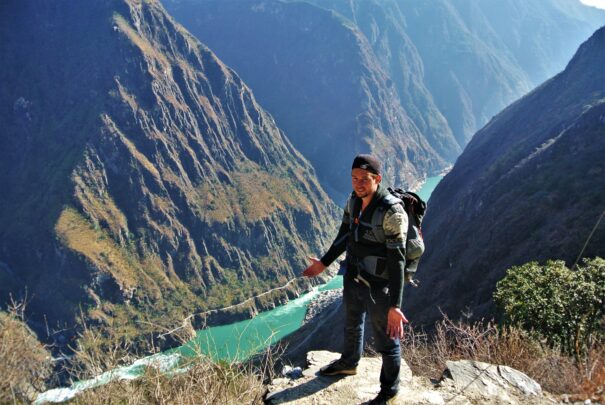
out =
column 313, row 388
column 471, row 383
column 432, row 397
column 491, row 380
column 292, row 372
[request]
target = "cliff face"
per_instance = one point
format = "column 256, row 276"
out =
column 529, row 186
column 449, row 65
column 383, row 24
column 318, row 75
column 141, row 178
column 455, row 64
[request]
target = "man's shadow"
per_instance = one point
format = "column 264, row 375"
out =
column 318, row 383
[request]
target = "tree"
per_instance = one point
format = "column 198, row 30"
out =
column 566, row 307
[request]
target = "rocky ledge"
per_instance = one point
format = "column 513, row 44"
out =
column 464, row 382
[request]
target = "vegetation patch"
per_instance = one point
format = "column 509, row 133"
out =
column 563, row 306
column 25, row 364
column 80, row 236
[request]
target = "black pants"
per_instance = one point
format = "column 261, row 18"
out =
column 358, row 302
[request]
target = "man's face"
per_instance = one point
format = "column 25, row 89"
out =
column 364, row 183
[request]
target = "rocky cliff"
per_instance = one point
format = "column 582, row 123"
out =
column 317, row 73
column 529, row 186
column 464, row 382
column 479, row 56
column 449, row 65
column 141, row 179
column 455, row 64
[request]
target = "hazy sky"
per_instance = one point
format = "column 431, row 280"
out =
column 595, row 3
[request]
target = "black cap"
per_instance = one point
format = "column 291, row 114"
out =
column 367, row 162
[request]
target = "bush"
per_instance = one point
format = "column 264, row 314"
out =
column 565, row 307
column 25, row 363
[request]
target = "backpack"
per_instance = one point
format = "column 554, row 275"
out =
column 415, row 208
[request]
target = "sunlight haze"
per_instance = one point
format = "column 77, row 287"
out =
column 594, row 3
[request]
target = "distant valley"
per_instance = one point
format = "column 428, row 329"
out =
column 152, row 170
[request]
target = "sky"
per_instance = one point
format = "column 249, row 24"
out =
column 595, row 3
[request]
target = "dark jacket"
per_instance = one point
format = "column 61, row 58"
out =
column 357, row 237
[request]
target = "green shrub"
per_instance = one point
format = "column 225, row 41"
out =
column 565, row 307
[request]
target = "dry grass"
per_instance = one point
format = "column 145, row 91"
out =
column 198, row 379
column 593, row 381
column 553, row 370
column 203, row 382
column 79, row 235
column 25, row 364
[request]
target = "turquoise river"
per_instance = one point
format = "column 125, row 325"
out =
column 239, row 340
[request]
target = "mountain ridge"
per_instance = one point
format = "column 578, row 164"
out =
column 316, row 73
column 176, row 192
column 526, row 188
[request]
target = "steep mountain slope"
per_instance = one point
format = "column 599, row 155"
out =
column 141, row 179
column 383, row 24
column 540, row 36
column 529, row 186
column 474, row 56
column 451, row 65
column 317, row 74
column 469, row 80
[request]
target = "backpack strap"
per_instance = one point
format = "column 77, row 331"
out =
column 352, row 210
column 387, row 202
column 379, row 213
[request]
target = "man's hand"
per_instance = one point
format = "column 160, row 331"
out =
column 395, row 321
column 315, row 268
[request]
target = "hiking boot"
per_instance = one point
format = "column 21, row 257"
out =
column 338, row 368
column 383, row 398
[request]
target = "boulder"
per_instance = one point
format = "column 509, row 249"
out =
column 490, row 380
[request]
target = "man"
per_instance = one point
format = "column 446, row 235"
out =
column 373, row 233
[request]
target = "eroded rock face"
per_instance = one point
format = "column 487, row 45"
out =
column 472, row 383
column 507, row 200
column 142, row 180
column 341, row 75
column 318, row 75
column 491, row 380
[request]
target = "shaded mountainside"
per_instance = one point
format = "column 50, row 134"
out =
column 449, row 65
column 318, row 75
column 447, row 78
column 540, row 36
column 455, row 64
column 141, row 179
column 529, row 186
column 383, row 25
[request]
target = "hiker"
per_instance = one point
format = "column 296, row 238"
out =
column 374, row 277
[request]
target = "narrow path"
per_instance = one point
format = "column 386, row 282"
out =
column 230, row 306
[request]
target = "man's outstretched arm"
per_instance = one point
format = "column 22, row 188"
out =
column 337, row 248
